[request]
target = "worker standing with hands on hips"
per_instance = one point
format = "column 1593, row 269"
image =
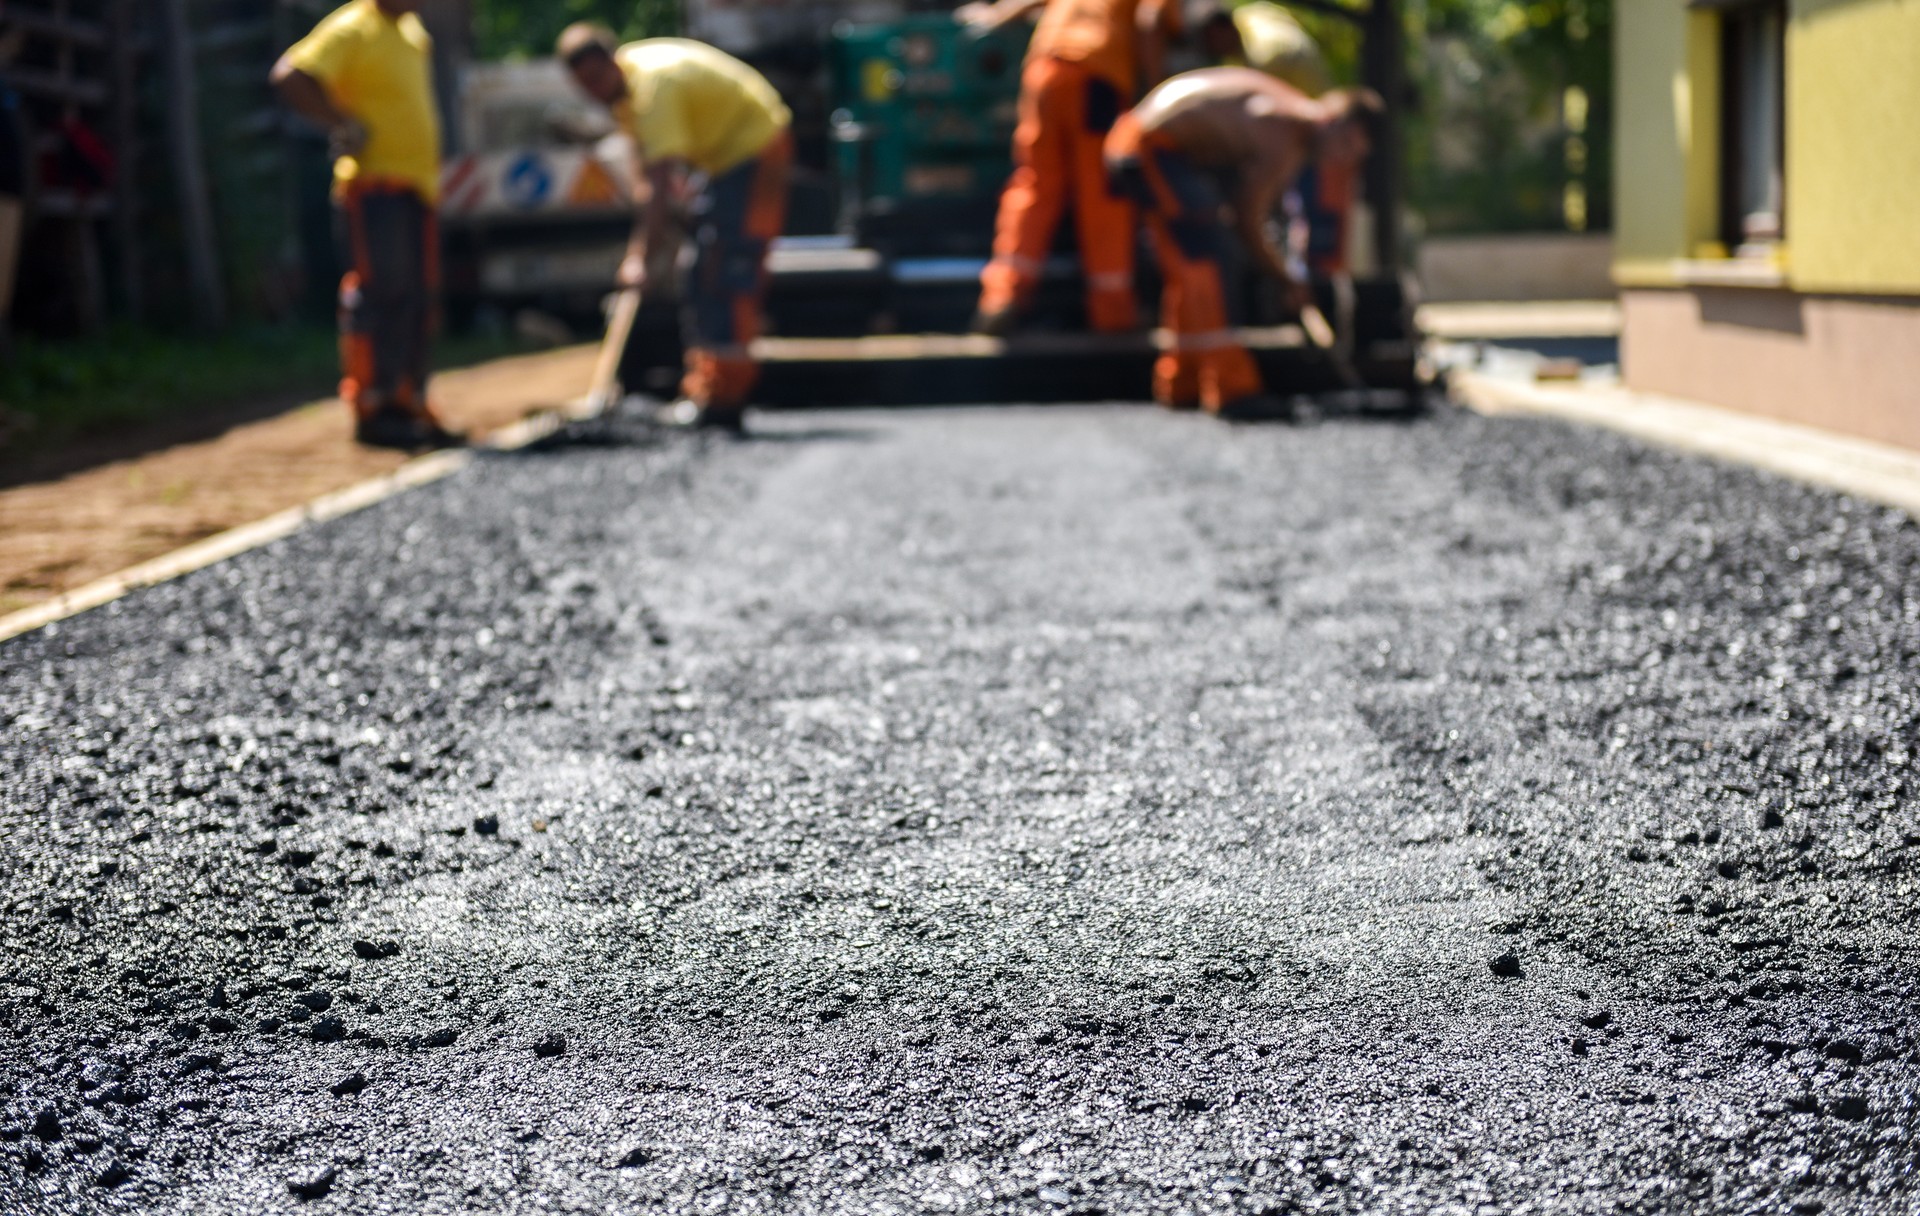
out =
column 1233, row 138
column 690, row 108
column 365, row 76
column 1085, row 62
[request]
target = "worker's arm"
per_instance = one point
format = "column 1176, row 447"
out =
column 1264, row 183
column 654, row 230
column 307, row 97
column 987, row 17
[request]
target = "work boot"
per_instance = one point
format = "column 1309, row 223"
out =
column 438, row 436
column 404, row 430
column 995, row 323
column 1256, row 407
column 688, row 415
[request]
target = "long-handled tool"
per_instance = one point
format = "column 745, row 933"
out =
column 1327, row 342
column 604, row 392
column 588, row 419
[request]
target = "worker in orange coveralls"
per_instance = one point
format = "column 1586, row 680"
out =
column 1084, row 65
column 1235, row 138
column 365, row 76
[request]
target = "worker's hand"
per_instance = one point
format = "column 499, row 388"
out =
column 347, row 138
column 633, row 272
column 1294, row 296
column 979, row 14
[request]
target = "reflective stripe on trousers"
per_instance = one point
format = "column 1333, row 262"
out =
column 1065, row 113
column 735, row 221
column 387, row 296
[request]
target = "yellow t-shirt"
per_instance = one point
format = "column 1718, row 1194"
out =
column 689, row 101
column 1279, row 46
column 379, row 70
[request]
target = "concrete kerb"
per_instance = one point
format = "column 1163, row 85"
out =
column 332, row 505
column 1872, row 471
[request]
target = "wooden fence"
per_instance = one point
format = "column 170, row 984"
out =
column 164, row 181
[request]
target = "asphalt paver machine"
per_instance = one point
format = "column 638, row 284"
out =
column 904, row 120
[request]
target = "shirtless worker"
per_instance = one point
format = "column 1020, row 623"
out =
column 690, row 107
column 365, row 77
column 1219, row 138
column 1264, row 35
column 1084, row 66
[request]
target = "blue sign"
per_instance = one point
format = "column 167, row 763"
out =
column 528, row 182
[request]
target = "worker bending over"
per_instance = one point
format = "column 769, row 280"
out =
column 1234, row 138
column 688, row 107
column 1264, row 36
column 1085, row 62
column 365, row 76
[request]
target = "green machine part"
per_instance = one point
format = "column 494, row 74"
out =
column 923, row 116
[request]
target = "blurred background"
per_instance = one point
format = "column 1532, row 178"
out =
column 176, row 242
column 168, row 205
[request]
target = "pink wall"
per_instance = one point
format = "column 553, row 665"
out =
column 1846, row 364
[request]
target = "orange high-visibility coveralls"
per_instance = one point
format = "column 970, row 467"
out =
column 1206, row 366
column 1080, row 76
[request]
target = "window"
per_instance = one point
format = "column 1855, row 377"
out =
column 1753, row 127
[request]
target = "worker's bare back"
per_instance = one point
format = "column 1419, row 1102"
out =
column 1232, row 117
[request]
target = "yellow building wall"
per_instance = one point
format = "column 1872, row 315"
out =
column 1652, row 135
column 1667, row 136
column 1852, row 132
column 1853, row 145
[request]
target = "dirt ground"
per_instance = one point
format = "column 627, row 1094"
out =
column 61, row 533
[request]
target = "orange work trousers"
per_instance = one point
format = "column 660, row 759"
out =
column 1205, row 366
column 388, row 297
column 735, row 220
column 1066, row 111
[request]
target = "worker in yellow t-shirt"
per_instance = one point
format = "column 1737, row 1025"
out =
column 690, row 108
column 1264, row 36
column 365, row 76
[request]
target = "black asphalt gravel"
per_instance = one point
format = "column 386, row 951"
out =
column 1066, row 810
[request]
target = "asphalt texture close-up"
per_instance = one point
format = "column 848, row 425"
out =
column 1002, row 810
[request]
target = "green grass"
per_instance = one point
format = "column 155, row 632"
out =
column 51, row 392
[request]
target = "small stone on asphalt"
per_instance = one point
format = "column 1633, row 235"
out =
column 312, row 1184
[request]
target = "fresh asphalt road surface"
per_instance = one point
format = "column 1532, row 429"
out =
column 1070, row 810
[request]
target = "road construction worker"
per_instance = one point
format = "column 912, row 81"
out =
column 1084, row 65
column 365, row 76
column 1267, row 37
column 1230, row 138
column 688, row 108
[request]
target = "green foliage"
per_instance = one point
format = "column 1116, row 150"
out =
column 129, row 375
column 1492, row 144
column 505, row 29
column 1517, row 104
column 53, row 391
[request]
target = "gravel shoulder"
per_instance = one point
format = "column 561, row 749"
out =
column 1081, row 810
